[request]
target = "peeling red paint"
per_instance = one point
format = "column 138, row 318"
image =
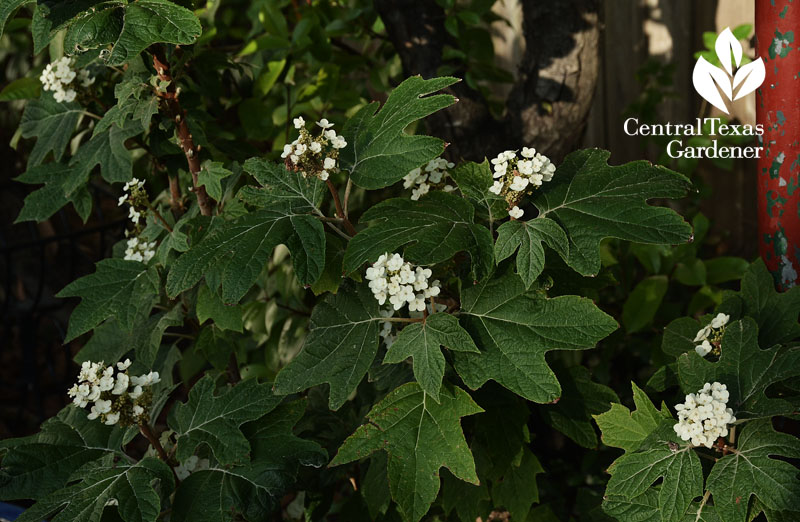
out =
column 778, row 109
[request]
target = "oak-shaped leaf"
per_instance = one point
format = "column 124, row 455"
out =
column 253, row 489
column 137, row 489
column 661, row 455
column 419, row 436
column 49, row 199
column 125, row 290
column 281, row 187
column 106, row 149
column 753, row 469
column 422, row 341
column 746, row 369
column 526, row 238
column 626, row 429
column 432, row 229
column 592, row 200
column 340, row 346
column 234, row 254
column 378, row 152
column 474, row 181
column 515, row 328
column 214, row 419
column 517, row 489
column 52, row 124
column 35, row 466
column 776, row 313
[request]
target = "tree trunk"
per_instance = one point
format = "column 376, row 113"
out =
column 549, row 103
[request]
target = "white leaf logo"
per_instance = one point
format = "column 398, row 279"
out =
column 709, row 80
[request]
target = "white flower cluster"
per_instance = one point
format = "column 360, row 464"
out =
column 515, row 177
column 137, row 249
column 131, row 190
column 58, row 77
column 392, row 278
column 119, row 398
column 703, row 418
column 314, row 156
column 710, row 335
column 140, row 250
column 433, row 175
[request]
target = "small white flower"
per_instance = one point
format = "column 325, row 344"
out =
column 496, row 188
column 528, row 152
column 299, row 122
column 720, row 320
column 287, row 149
column 330, row 134
column 703, row 349
column 519, row 183
column 325, row 124
column 315, row 147
column 121, row 386
column 516, row 212
column 300, row 149
column 111, row 419
column 329, row 164
column 324, row 175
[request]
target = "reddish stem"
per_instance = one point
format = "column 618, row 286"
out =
column 339, row 210
column 184, row 135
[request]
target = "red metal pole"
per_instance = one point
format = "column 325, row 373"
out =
column 778, row 110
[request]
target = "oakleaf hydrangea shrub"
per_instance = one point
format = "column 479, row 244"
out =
column 322, row 315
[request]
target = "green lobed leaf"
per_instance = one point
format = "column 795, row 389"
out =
column 474, row 180
column 340, row 347
column 514, row 329
column 775, row 313
column 592, row 200
column 135, row 488
column 125, row 290
column 422, row 341
column 34, row 467
column 624, row 429
column 109, row 341
column 420, row 436
column 664, row 456
column 235, row 253
column 517, row 490
column 107, row 150
column 378, row 152
column 214, row 419
column 49, row 199
column 253, row 489
column 528, row 236
column 153, row 21
column 433, row 230
column 753, row 470
column 52, row 124
column 469, row 501
column 281, row 187
column 745, row 369
column 210, row 177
